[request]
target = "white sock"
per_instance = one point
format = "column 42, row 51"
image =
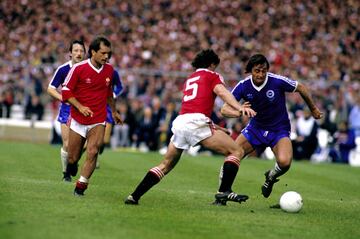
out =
column 221, row 174
column 83, row 179
column 64, row 158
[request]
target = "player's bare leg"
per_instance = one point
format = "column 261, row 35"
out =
column 94, row 140
column 106, row 142
column 224, row 144
column 283, row 154
column 64, row 151
column 75, row 145
column 155, row 174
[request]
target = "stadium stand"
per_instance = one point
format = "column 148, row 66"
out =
column 315, row 41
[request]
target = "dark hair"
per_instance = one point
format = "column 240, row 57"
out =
column 95, row 44
column 205, row 58
column 257, row 59
column 80, row 42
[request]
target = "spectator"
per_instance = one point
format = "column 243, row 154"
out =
column 306, row 142
column 34, row 108
column 344, row 142
column 145, row 132
column 354, row 117
column 159, row 114
column 313, row 41
column 8, row 102
column 122, row 133
column 165, row 124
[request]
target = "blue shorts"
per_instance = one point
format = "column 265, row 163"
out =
column 260, row 139
column 64, row 113
column 109, row 118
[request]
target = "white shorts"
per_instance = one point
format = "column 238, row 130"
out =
column 190, row 129
column 82, row 129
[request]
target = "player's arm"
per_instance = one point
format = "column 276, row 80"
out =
column 230, row 112
column 117, row 84
column 68, row 95
column 304, row 92
column 55, row 82
column 54, row 93
column 229, row 99
column 86, row 111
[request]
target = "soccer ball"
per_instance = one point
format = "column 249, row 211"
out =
column 291, row 202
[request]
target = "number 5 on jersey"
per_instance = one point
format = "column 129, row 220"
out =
column 193, row 86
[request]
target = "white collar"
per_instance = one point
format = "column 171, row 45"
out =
column 258, row 88
column 95, row 69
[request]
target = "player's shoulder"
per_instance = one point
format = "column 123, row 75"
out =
column 81, row 65
column 243, row 82
column 209, row 73
column 277, row 76
column 205, row 71
column 281, row 78
column 246, row 80
column 109, row 66
column 64, row 67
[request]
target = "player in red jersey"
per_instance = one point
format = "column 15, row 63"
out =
column 193, row 126
column 88, row 88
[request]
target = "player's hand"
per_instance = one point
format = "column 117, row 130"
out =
column 117, row 118
column 316, row 113
column 246, row 110
column 246, row 104
column 86, row 111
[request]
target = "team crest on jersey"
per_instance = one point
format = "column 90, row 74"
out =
column 249, row 96
column 88, row 81
column 270, row 94
column 107, row 81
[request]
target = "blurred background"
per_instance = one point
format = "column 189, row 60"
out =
column 316, row 42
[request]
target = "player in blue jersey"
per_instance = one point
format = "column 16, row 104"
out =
column 117, row 89
column 77, row 54
column 265, row 92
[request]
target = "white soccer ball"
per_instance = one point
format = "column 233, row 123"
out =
column 291, row 202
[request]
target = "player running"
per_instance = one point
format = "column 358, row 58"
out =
column 77, row 54
column 88, row 88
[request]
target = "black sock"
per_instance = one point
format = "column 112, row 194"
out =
column 228, row 176
column 151, row 178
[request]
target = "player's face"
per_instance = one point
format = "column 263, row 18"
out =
column 258, row 73
column 77, row 53
column 101, row 56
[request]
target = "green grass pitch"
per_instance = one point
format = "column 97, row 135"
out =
column 35, row 203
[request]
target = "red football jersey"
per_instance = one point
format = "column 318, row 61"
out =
column 91, row 87
column 198, row 91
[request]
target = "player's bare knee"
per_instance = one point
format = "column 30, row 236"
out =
column 71, row 159
column 92, row 152
column 238, row 152
column 284, row 161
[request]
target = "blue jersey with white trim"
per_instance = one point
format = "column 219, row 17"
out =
column 117, row 90
column 60, row 75
column 268, row 100
column 57, row 80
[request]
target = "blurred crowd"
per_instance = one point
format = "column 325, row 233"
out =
column 316, row 42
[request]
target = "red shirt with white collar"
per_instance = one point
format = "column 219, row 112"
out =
column 91, row 87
